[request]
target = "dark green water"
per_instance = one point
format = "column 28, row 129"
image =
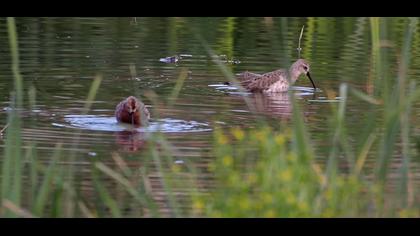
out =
column 61, row 56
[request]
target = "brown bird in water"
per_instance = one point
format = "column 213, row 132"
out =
column 276, row 81
column 132, row 111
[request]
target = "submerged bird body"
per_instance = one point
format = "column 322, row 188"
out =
column 275, row 81
column 132, row 111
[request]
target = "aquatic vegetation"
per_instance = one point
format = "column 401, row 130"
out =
column 259, row 173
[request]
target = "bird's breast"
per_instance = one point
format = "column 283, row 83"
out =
column 279, row 86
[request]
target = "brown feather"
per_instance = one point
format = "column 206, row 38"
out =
column 133, row 105
column 275, row 81
column 264, row 81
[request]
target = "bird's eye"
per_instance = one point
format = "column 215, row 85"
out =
column 305, row 67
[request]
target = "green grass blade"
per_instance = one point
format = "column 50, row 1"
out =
column 106, row 197
column 45, row 188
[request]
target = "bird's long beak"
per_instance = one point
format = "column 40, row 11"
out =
column 309, row 76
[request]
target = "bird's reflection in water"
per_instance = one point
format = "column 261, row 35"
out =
column 276, row 104
column 130, row 140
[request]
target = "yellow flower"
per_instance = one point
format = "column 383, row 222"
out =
column 175, row 168
column 260, row 135
column 216, row 214
column 403, row 213
column 238, row 133
column 291, row 157
column 252, row 178
column 198, row 206
column 288, row 133
column 280, row 139
column 270, row 214
column 258, row 205
column 267, row 198
column 285, row 175
column 227, row 161
column 303, row 206
column 244, row 203
column 222, row 139
column 328, row 194
column 407, row 213
column 328, row 213
column 290, row 199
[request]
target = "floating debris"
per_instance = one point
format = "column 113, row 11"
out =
column 234, row 61
column 325, row 100
column 179, row 162
column 176, row 58
column 5, row 127
column 173, row 59
column 92, row 154
column 223, row 58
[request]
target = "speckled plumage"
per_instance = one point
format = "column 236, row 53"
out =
column 275, row 81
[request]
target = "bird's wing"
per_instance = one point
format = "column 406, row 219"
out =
column 244, row 77
column 264, row 81
column 119, row 107
column 247, row 76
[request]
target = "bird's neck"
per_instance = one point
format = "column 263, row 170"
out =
column 293, row 75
